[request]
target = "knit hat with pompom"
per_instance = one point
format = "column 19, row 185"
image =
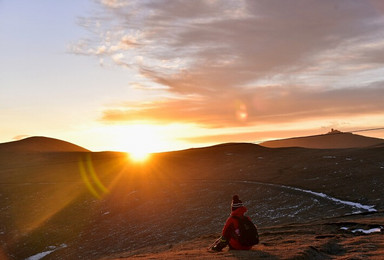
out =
column 236, row 202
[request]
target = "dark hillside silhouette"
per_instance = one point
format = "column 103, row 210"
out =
column 87, row 205
column 40, row 144
column 332, row 140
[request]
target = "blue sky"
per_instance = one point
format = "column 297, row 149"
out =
column 46, row 89
column 110, row 74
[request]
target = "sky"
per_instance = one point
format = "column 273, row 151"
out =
column 174, row 74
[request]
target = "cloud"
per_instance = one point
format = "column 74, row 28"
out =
column 114, row 3
column 252, row 136
column 272, row 104
column 19, row 137
column 239, row 62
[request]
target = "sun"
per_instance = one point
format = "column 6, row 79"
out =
column 142, row 140
column 138, row 141
column 139, row 156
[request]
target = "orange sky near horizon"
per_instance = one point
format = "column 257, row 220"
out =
column 168, row 75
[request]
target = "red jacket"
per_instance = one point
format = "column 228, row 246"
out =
column 231, row 227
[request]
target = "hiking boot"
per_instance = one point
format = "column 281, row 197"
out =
column 219, row 245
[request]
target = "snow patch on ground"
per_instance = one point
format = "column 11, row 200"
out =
column 365, row 231
column 44, row 254
column 344, row 228
column 356, row 205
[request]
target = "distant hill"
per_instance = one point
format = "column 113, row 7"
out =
column 82, row 205
column 331, row 140
column 40, row 144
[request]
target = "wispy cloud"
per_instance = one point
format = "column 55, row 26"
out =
column 239, row 62
column 272, row 104
column 19, row 137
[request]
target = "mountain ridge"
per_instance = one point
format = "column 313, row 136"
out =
column 40, row 144
column 331, row 140
column 96, row 206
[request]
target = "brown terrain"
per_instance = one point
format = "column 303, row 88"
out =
column 332, row 140
column 40, row 144
column 76, row 204
column 324, row 239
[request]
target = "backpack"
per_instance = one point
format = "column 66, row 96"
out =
column 248, row 231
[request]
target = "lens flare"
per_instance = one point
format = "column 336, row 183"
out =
column 241, row 111
column 90, row 179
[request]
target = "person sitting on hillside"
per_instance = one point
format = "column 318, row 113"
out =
column 239, row 233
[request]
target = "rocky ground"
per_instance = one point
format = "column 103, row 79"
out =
column 101, row 206
column 349, row 237
column 335, row 238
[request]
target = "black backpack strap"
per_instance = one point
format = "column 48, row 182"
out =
column 239, row 217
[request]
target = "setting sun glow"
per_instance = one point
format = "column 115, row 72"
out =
column 139, row 141
column 139, row 156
